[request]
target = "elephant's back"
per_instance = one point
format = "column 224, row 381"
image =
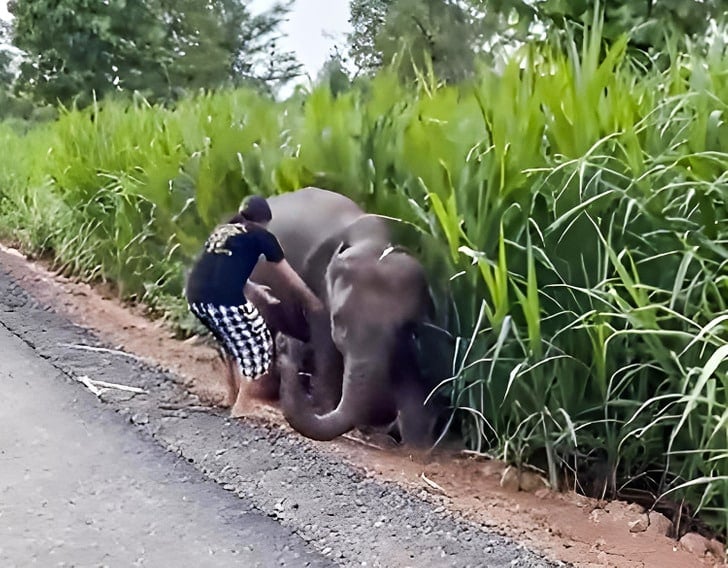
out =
column 310, row 211
column 305, row 219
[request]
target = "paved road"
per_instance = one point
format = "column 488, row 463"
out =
column 79, row 487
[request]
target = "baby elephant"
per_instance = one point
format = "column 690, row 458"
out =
column 361, row 351
column 323, row 411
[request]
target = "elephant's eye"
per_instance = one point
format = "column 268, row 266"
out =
column 342, row 247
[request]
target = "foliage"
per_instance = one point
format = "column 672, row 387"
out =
column 78, row 50
column 646, row 22
column 11, row 107
column 366, row 19
column 6, row 74
column 437, row 33
column 334, row 75
column 571, row 211
column 415, row 35
column 78, row 47
column 454, row 33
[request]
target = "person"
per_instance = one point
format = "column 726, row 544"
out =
column 218, row 284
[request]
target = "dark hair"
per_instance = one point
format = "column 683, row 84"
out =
column 254, row 208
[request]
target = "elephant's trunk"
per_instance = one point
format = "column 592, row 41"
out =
column 354, row 408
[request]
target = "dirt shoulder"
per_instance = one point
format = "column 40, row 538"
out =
column 479, row 492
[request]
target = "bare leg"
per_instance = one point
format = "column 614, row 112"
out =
column 242, row 403
column 233, row 386
column 265, row 387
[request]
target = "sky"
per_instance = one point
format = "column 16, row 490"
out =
column 312, row 29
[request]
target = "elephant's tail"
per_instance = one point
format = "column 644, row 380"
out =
column 300, row 413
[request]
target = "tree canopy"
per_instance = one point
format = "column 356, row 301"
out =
column 452, row 34
column 415, row 33
column 74, row 48
column 6, row 75
column 645, row 21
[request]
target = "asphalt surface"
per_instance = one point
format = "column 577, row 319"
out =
column 127, row 479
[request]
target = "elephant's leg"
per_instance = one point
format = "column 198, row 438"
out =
column 381, row 426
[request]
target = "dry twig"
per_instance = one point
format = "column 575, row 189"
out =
column 432, row 484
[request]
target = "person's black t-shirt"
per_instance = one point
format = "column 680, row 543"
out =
column 228, row 259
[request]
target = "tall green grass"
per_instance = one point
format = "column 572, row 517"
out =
column 571, row 210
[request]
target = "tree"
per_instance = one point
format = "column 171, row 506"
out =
column 437, row 32
column 161, row 48
column 221, row 42
column 645, row 21
column 367, row 19
column 6, row 73
column 258, row 57
column 76, row 47
column 10, row 105
column 333, row 74
column 415, row 33
column 455, row 33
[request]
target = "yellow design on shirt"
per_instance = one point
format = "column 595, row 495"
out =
column 217, row 241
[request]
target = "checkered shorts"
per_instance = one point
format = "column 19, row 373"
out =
column 242, row 334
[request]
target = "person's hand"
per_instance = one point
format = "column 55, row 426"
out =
column 267, row 295
column 260, row 294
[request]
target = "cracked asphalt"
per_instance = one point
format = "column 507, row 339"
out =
column 130, row 479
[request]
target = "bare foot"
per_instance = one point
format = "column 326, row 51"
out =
column 238, row 411
column 243, row 404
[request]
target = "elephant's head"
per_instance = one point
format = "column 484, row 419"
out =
column 373, row 295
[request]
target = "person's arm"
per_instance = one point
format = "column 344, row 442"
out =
column 296, row 283
column 274, row 254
